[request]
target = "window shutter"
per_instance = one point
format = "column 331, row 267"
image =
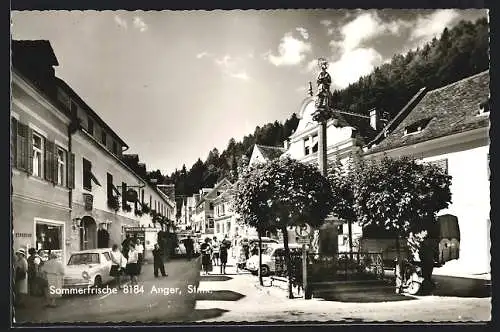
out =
column 13, row 142
column 28, row 156
column 21, row 146
column 124, row 194
column 70, row 171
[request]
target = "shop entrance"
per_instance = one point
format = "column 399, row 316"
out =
column 49, row 237
column 88, row 233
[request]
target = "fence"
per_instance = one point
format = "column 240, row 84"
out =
column 342, row 266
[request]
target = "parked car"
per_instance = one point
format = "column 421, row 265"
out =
column 88, row 268
column 269, row 256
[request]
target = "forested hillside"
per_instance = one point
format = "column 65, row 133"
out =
column 458, row 53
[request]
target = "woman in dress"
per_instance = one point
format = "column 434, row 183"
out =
column 132, row 267
column 21, row 265
column 224, row 247
column 243, row 256
column 206, row 255
column 53, row 270
column 119, row 264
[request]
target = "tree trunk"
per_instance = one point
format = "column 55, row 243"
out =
column 259, row 233
column 398, row 268
column 349, row 225
column 288, row 261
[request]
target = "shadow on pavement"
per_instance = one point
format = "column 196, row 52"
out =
column 461, row 287
column 352, row 319
column 383, row 295
column 219, row 295
column 202, row 314
column 215, row 278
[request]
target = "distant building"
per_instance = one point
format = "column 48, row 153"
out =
column 203, row 218
column 449, row 127
column 264, row 153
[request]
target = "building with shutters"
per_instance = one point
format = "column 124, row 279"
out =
column 41, row 174
column 449, row 127
column 73, row 188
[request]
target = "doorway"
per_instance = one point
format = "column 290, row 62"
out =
column 88, row 233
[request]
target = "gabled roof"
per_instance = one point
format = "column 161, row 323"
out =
column 270, row 152
column 450, row 109
column 214, row 189
column 29, row 50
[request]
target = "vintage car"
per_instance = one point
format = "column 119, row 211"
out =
column 268, row 258
column 88, row 268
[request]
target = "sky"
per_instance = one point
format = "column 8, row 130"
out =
column 175, row 84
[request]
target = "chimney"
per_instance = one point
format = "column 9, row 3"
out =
column 286, row 144
column 374, row 119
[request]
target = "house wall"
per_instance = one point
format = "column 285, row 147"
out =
column 35, row 200
column 102, row 163
column 467, row 155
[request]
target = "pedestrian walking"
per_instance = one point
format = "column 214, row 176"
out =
column 206, row 256
column 189, row 245
column 140, row 254
column 34, row 262
column 224, row 247
column 158, row 261
column 53, row 271
column 21, row 275
column 243, row 256
column 126, row 245
column 132, row 268
column 119, row 263
column 215, row 251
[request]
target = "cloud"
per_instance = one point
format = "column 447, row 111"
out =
column 230, row 66
column 352, row 65
column 121, row 22
column 325, row 23
column 140, row 24
column 426, row 27
column 303, row 32
column 241, row 75
column 202, row 55
column 292, row 51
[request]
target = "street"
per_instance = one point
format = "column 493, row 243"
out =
column 240, row 298
column 163, row 299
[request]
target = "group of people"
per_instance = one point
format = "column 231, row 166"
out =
column 129, row 261
column 35, row 274
column 214, row 252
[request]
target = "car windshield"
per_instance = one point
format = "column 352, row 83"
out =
column 84, row 259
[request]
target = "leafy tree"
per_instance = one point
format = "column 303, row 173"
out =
column 400, row 195
column 283, row 193
column 342, row 180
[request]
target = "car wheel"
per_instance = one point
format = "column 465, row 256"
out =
column 98, row 282
column 264, row 270
column 255, row 272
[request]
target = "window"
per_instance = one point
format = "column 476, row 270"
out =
column 90, row 126
column 103, row 137
column 37, row 155
column 61, row 166
column 87, row 177
column 306, row 146
column 109, row 180
column 115, row 148
column 142, row 196
column 107, row 256
column 211, row 206
column 417, row 126
column 217, row 228
column 314, row 144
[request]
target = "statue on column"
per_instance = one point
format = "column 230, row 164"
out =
column 323, row 82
